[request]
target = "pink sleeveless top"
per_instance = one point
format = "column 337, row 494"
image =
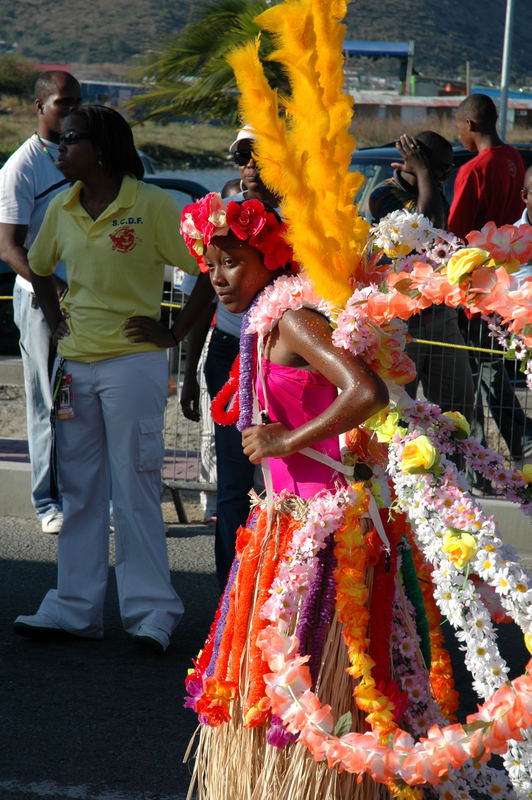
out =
column 294, row 397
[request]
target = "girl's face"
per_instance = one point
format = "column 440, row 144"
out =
column 78, row 156
column 237, row 272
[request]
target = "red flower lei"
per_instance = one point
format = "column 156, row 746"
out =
column 225, row 407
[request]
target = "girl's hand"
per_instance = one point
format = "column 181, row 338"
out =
column 145, row 329
column 262, row 441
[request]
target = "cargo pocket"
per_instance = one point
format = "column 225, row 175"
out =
column 150, row 444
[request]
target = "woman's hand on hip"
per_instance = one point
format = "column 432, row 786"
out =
column 146, row 329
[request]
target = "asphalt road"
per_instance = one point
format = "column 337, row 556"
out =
column 98, row 720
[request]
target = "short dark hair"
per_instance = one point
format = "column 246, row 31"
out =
column 230, row 187
column 481, row 109
column 46, row 83
column 111, row 134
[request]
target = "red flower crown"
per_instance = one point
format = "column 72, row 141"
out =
column 250, row 221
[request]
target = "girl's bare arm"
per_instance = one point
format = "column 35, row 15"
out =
column 304, row 338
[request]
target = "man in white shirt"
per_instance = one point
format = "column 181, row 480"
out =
column 525, row 219
column 28, row 181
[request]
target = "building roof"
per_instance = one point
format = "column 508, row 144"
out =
column 365, row 48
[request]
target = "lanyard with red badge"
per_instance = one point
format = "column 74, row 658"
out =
column 63, row 393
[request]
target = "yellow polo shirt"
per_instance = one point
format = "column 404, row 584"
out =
column 115, row 264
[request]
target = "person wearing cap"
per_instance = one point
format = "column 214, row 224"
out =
column 236, row 475
column 251, row 185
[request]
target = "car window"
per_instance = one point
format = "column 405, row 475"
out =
column 181, row 198
column 373, row 174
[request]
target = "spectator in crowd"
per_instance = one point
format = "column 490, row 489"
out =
column 525, row 219
column 115, row 234
column 236, row 475
column 199, row 409
column 488, row 189
column 29, row 180
column 444, row 373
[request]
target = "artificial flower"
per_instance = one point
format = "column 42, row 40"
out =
column 246, row 219
column 526, row 473
column 385, row 423
column 419, row 456
column 465, row 261
column 462, row 428
column 459, row 546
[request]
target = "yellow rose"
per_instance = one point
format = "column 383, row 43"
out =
column 462, row 429
column 465, row 261
column 526, row 473
column 420, row 455
column 528, row 642
column 460, row 547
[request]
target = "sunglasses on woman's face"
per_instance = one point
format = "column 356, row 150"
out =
column 242, row 157
column 72, row 137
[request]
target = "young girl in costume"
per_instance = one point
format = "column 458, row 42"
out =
column 308, row 392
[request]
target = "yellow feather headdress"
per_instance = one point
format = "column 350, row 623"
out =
column 304, row 152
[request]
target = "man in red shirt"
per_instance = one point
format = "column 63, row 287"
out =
column 487, row 187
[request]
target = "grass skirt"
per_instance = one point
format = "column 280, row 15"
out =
column 236, row 762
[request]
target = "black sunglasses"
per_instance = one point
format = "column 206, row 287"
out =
column 242, row 157
column 72, row 137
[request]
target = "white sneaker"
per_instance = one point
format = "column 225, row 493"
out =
column 52, row 523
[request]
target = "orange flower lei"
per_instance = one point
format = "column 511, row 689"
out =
column 352, row 611
column 257, row 705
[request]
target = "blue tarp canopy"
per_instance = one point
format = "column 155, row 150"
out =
column 363, row 48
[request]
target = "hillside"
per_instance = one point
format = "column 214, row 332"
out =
column 446, row 32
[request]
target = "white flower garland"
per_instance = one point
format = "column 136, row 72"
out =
column 433, row 503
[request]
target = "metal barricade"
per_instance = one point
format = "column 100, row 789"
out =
column 189, row 465
column 471, row 375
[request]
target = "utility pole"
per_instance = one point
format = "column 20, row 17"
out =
column 505, row 73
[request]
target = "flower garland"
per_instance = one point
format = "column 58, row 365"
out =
column 225, row 406
column 454, row 534
column 400, row 759
column 288, row 292
column 476, row 278
column 449, row 431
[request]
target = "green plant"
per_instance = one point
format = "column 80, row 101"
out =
column 17, row 76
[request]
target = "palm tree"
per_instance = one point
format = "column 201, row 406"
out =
column 189, row 74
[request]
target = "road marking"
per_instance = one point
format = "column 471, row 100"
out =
column 51, row 789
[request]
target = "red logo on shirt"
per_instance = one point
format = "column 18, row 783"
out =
column 124, row 239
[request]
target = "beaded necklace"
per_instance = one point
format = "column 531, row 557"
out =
column 45, row 149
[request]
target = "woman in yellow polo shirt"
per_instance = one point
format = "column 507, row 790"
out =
column 114, row 233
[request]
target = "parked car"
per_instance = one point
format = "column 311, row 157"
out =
column 184, row 191
column 374, row 164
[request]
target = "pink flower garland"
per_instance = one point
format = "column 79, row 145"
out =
column 500, row 718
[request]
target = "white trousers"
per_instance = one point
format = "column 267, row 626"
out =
column 114, row 439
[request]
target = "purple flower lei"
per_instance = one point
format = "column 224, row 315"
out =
column 245, row 383
column 318, row 608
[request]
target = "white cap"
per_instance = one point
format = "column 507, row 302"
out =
column 247, row 132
